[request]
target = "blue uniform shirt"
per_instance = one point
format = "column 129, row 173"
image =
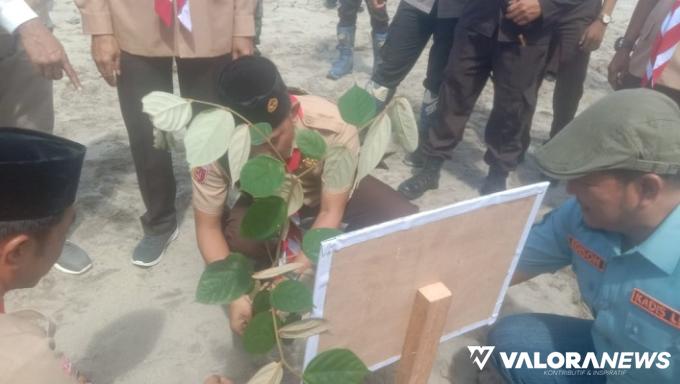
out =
column 634, row 294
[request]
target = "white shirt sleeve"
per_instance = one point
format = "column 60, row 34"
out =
column 13, row 13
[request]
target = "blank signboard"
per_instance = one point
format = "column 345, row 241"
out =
column 366, row 281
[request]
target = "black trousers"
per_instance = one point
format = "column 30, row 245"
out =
column 141, row 75
column 474, row 57
column 348, row 9
column 407, row 36
column 571, row 62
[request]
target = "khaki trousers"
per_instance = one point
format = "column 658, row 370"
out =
column 25, row 96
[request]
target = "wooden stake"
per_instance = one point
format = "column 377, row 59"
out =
column 425, row 328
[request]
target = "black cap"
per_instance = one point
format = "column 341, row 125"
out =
column 253, row 87
column 39, row 174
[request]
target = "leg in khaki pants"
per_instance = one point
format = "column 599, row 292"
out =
column 25, row 96
column 26, row 102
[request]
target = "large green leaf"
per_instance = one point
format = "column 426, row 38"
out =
column 292, row 296
column 357, row 107
column 262, row 176
column 239, row 151
column 167, row 112
column 208, row 137
column 271, row 373
column 310, row 143
column 261, row 302
column 259, row 133
column 404, row 123
column 311, row 241
column 225, row 281
column 260, row 335
column 264, row 218
column 374, row 147
column 291, row 191
column 303, row 328
column 339, row 168
column 336, row 366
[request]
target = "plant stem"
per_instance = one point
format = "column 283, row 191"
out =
column 280, row 347
column 284, row 231
column 367, row 124
column 248, row 122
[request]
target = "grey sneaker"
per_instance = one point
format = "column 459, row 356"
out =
column 73, row 260
column 151, row 248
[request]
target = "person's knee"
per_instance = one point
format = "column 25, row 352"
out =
column 508, row 333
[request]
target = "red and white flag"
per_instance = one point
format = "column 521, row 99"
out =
column 665, row 45
column 165, row 10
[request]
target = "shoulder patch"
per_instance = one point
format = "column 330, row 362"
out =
column 655, row 308
column 586, row 254
column 199, row 174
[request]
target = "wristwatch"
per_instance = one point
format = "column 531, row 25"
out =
column 622, row 43
column 605, row 18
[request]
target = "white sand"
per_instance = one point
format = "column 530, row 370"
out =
column 122, row 324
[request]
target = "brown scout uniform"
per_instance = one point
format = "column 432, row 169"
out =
column 372, row 201
column 24, row 344
column 211, row 183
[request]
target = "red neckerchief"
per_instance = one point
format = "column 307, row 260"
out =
column 292, row 165
column 294, row 161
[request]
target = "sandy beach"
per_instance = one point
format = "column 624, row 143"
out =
column 122, row 324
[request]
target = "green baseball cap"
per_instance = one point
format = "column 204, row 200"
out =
column 632, row 130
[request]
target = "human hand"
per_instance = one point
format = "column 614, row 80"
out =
column 215, row 379
column 241, row 46
column 523, row 12
column 302, row 259
column 593, row 36
column 46, row 52
column 378, row 4
column 106, row 55
column 240, row 313
column 617, row 69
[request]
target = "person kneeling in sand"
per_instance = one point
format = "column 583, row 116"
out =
column 620, row 232
column 252, row 87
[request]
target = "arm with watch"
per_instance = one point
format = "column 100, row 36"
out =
column 594, row 34
column 618, row 66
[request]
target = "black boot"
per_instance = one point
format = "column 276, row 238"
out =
column 415, row 159
column 495, row 181
column 426, row 179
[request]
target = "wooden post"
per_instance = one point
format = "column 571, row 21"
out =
column 425, row 328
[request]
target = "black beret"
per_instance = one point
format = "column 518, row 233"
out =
column 39, row 174
column 253, row 87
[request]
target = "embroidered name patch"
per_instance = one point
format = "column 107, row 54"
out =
column 586, row 254
column 199, row 174
column 655, row 308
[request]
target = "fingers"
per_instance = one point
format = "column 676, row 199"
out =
column 106, row 55
column 239, row 326
column 215, row 379
column 241, row 51
column 71, row 73
column 378, row 4
column 614, row 77
column 106, row 69
column 240, row 312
